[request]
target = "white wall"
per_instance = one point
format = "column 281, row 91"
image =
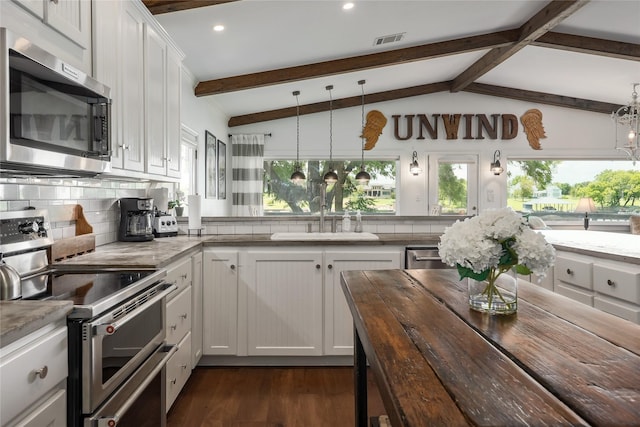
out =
column 571, row 134
column 200, row 114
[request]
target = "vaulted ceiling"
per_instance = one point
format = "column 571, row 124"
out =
column 576, row 54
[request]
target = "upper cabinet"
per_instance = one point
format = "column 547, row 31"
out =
column 62, row 27
column 137, row 59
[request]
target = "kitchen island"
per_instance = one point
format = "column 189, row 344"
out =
column 436, row 362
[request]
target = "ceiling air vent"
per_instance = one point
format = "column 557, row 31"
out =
column 392, row 38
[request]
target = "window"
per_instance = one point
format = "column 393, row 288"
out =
column 281, row 196
column 188, row 161
column 552, row 189
column 454, row 188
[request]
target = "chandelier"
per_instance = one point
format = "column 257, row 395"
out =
column 627, row 127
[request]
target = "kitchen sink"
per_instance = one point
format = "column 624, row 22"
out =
column 323, row 236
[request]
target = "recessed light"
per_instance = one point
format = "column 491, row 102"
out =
column 218, row 27
column 348, row 6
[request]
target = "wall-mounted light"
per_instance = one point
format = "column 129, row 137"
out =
column 297, row 177
column 414, row 167
column 496, row 168
column 330, row 177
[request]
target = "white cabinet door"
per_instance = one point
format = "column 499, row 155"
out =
column 155, row 53
column 196, row 309
column 174, row 73
column 220, row 302
column 284, row 302
column 34, row 6
column 338, row 322
column 131, row 90
column 72, row 18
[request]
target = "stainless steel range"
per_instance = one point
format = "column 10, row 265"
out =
column 117, row 351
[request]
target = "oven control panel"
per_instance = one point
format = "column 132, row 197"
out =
column 24, row 230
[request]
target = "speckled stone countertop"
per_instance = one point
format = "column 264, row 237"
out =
column 614, row 246
column 161, row 252
column 20, row 318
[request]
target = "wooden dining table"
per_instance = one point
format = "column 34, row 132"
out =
column 437, row 363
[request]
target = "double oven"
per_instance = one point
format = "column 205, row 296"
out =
column 117, row 351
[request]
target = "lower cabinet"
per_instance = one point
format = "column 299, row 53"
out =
column 338, row 322
column 34, row 375
column 275, row 301
column 178, row 369
column 607, row 285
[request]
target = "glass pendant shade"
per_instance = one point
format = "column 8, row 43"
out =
column 297, row 177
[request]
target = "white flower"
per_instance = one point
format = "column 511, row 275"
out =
column 480, row 242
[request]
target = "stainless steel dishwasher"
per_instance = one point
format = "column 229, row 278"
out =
column 423, row 257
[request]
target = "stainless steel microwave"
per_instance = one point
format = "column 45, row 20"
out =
column 55, row 119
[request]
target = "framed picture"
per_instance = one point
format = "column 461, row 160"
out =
column 210, row 166
column 222, row 170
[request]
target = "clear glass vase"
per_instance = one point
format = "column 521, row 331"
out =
column 498, row 294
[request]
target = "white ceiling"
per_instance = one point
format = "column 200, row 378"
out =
column 263, row 35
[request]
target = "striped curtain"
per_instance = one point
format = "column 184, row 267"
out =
column 247, row 169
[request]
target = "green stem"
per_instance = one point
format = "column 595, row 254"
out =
column 491, row 288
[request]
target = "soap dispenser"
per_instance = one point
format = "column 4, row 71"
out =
column 346, row 222
column 358, row 222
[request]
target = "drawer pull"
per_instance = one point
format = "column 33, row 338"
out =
column 232, row 266
column 174, row 327
column 611, row 282
column 183, row 366
column 184, row 316
column 184, row 276
column 569, row 271
column 42, row 372
column 174, row 381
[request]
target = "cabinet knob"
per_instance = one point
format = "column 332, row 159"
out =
column 232, row 266
column 611, row 282
column 330, row 266
column 42, row 372
column 317, row 266
column 183, row 366
column 569, row 271
column 174, row 381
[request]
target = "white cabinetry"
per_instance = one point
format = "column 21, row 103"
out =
column 338, row 322
column 610, row 286
column 34, row 373
column 220, row 299
column 196, row 309
column 178, row 327
column 284, row 302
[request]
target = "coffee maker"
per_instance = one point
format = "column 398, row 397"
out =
column 136, row 220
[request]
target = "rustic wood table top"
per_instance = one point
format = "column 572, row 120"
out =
column 438, row 363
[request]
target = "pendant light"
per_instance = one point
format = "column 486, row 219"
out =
column 297, row 177
column 362, row 177
column 330, row 177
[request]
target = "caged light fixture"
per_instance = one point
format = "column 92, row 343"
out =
column 496, row 167
column 330, row 177
column 362, row 177
column 297, row 177
column 414, row 167
column 627, row 127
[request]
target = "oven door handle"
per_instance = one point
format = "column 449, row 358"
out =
column 112, row 420
column 110, row 328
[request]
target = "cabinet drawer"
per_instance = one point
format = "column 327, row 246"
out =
column 178, row 316
column 575, row 293
column 617, row 308
column 618, row 280
column 21, row 386
column 179, row 273
column 178, row 370
column 574, row 269
column 51, row 413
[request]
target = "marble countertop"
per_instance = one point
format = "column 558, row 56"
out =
column 20, row 318
column 614, row 246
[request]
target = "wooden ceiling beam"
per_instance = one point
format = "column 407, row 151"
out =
column 357, row 63
column 542, row 98
column 352, row 101
column 157, row 7
column 543, row 21
column 589, row 45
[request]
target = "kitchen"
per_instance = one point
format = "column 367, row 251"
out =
column 198, row 115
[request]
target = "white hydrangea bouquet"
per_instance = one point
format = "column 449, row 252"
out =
column 485, row 246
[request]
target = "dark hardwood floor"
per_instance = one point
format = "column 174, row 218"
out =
column 269, row 397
